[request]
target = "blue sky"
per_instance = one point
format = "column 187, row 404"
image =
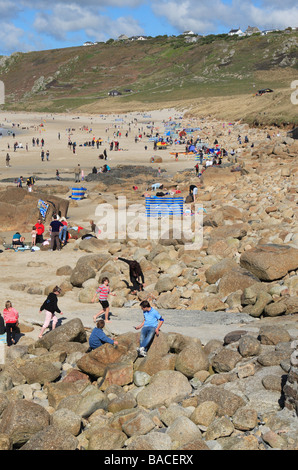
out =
column 29, row 25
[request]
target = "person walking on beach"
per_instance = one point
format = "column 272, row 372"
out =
column 103, row 291
column 150, row 327
column 98, row 337
column 77, row 172
column 7, row 160
column 50, row 306
column 11, row 318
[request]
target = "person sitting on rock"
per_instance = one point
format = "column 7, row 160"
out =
column 98, row 337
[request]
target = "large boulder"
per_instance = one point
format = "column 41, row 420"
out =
column 22, row 419
column 52, row 438
column 234, row 231
column 270, row 262
column 216, row 271
column 164, row 284
column 96, row 362
column 165, row 387
column 19, row 211
column 228, row 402
column 93, row 245
column 168, row 300
column 87, row 267
column 236, row 279
column 73, row 330
column 192, row 359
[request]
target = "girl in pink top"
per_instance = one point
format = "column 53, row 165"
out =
column 103, row 292
column 11, row 318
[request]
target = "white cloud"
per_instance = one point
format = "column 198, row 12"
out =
column 205, row 16
column 98, row 4
column 73, row 18
column 13, row 39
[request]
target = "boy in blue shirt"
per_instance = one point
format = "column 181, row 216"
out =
column 150, row 327
column 98, row 337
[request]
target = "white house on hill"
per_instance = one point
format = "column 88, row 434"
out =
column 236, row 32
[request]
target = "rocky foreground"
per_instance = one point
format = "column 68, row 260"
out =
column 239, row 394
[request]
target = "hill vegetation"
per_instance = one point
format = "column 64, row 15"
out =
column 217, row 75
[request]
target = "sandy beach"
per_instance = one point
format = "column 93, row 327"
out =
column 39, row 268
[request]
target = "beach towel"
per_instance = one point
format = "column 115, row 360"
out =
column 43, row 207
column 3, row 339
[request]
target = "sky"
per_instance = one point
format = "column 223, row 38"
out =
column 28, row 25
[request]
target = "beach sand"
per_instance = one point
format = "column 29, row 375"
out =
column 15, row 267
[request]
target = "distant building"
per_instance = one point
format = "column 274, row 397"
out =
column 251, row 30
column 138, row 38
column 188, row 33
column 122, row 37
column 191, row 39
column 236, row 32
column 88, row 43
column 267, row 31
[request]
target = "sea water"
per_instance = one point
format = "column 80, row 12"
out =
column 4, row 132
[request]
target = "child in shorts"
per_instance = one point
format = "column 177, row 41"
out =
column 103, row 291
column 33, row 236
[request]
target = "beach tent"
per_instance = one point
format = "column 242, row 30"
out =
column 163, row 206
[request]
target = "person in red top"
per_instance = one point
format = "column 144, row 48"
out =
column 11, row 318
column 39, row 227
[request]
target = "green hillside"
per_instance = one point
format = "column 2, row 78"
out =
column 158, row 71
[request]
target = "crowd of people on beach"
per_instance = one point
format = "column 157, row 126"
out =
column 58, row 229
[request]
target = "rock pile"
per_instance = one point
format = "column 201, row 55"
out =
column 230, row 395
column 260, row 281
column 248, row 260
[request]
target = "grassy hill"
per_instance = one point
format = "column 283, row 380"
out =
column 211, row 75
